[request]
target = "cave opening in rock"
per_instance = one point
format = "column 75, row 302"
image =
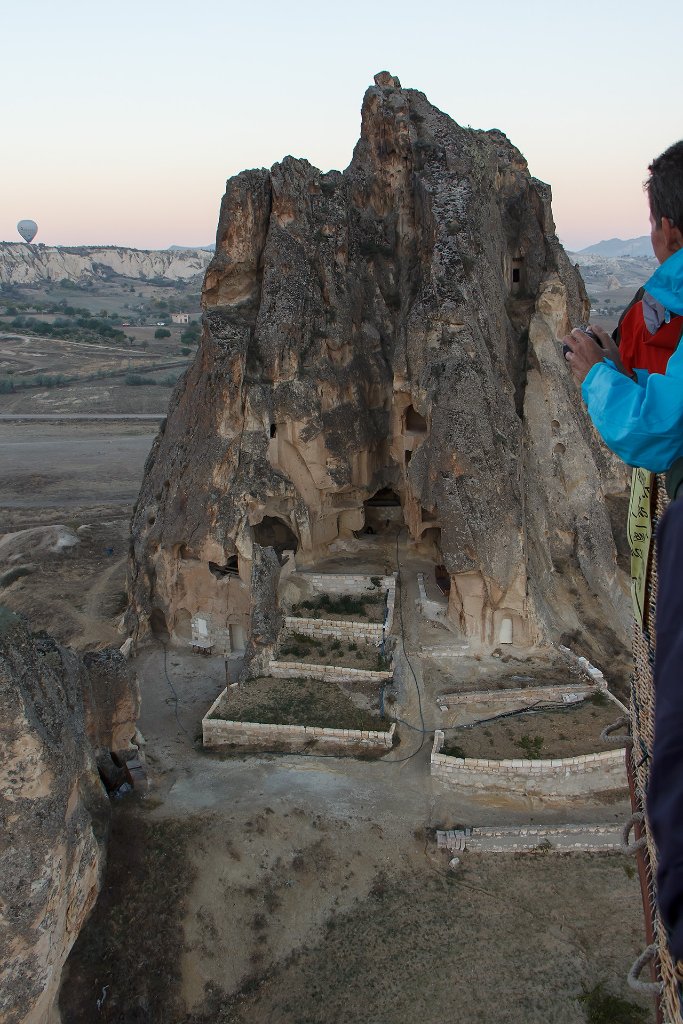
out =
column 158, row 624
column 273, row 430
column 231, row 568
column 384, row 498
column 383, row 512
column 414, row 422
column 272, row 532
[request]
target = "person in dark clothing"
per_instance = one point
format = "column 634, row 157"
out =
column 665, row 792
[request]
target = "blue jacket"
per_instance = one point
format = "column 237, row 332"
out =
column 643, row 422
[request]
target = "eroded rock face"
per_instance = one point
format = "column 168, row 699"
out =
column 30, row 264
column 54, row 814
column 379, row 350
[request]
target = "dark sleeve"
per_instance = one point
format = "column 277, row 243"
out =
column 665, row 791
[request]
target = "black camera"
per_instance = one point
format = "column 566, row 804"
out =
column 586, row 330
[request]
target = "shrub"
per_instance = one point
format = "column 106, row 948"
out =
column 162, row 332
column 531, row 746
column 603, row 1008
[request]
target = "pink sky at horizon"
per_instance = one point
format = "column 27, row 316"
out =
column 127, row 124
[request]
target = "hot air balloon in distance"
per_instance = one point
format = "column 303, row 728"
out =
column 27, row 229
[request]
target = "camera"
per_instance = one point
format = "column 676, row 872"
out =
column 586, row 330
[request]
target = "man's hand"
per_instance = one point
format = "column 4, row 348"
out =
column 585, row 352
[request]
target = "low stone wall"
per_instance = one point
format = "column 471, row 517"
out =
column 354, row 584
column 217, row 732
column 330, row 673
column 519, row 695
column 367, row 632
column 567, row 776
column 512, row 838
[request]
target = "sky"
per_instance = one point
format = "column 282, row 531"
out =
column 122, row 121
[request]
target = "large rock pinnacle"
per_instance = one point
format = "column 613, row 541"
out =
column 385, row 334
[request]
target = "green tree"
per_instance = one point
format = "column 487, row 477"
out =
column 162, row 332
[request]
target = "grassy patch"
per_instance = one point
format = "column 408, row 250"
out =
column 603, row 1008
column 344, row 605
column 296, row 702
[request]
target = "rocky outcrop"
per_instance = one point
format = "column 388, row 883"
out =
column 32, row 264
column 379, row 353
column 53, row 812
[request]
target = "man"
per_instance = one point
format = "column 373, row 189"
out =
column 640, row 417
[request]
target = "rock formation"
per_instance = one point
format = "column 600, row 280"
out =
column 54, row 812
column 379, row 351
column 30, row 264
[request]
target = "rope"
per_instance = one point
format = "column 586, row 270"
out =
column 649, row 988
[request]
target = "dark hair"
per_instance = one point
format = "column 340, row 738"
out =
column 665, row 185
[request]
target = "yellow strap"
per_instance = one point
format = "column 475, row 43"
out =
column 639, row 532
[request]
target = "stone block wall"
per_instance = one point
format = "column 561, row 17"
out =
column 567, row 776
column 351, row 583
column 217, row 732
column 329, row 673
column 519, row 695
column 366, row 632
column 511, row 839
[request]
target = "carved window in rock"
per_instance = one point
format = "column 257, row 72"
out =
column 275, row 533
column 517, row 275
column 273, row 430
column 231, row 568
column 384, row 498
column 414, row 423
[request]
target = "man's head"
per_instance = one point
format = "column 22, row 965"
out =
column 664, row 188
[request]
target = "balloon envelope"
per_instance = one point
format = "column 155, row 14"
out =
column 27, row 229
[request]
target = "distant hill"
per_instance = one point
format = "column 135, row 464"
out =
column 613, row 248
column 196, row 248
column 22, row 264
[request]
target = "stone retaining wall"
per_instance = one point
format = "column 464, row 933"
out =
column 368, row 632
column 218, row 732
column 351, row 583
column 329, row 673
column 525, row 695
column 511, row 838
column 357, row 585
column 567, row 776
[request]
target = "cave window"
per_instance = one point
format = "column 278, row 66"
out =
column 273, row 429
column 384, row 498
column 414, row 422
column 409, row 456
column 231, row 568
column 275, row 533
column 517, row 275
